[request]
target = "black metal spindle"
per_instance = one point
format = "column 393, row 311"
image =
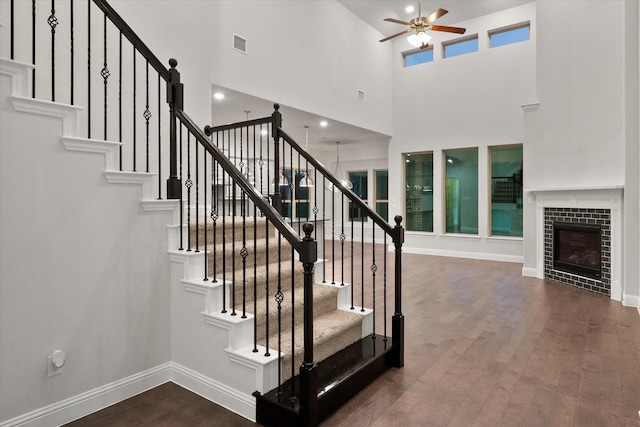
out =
column 147, row 114
column 88, row 68
column 53, row 23
column 204, row 217
column 244, row 252
column 197, row 204
column 71, row 68
column 324, row 229
column 279, row 297
column 374, row 269
column 223, row 198
column 214, row 213
column 159, row 140
column 233, row 243
column 293, row 324
column 120, row 107
column 266, row 285
column 188, row 183
column 11, row 36
column 362, row 266
column 255, row 274
column 134, row 95
column 33, row 47
column 384, row 285
column 342, row 239
column 333, row 237
column 352, row 263
column 105, row 74
column 181, row 209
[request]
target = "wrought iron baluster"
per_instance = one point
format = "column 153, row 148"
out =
column 188, row 183
column 72, row 56
column 197, row 208
column 105, row 74
column 266, row 285
column 33, row 47
column 255, row 273
column 88, row 68
column 204, row 217
column 120, row 108
column 135, row 85
column 159, row 140
column 279, row 299
column 342, row 239
column 181, row 209
column 12, row 33
column 374, row 268
column 244, row 252
column 384, row 299
column 53, row 23
column 324, row 229
column 147, row 114
column 352, row 264
column 333, row 237
column 224, row 235
column 293, row 323
column 233, row 242
column 362, row 266
column 214, row 213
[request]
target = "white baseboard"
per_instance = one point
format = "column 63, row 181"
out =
column 223, row 395
column 94, row 400
column 529, row 272
column 461, row 254
column 631, row 301
column 99, row 398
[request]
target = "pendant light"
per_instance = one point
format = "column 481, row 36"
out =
column 338, row 174
column 306, row 180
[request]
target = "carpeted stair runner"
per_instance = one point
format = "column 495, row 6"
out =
column 333, row 329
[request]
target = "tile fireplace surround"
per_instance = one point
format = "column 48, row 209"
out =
column 601, row 206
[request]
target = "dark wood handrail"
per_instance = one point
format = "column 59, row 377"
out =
column 256, row 197
column 346, row 191
column 126, row 30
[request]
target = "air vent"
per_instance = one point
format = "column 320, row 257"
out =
column 361, row 95
column 239, row 43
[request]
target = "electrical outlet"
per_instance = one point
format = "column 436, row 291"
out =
column 55, row 363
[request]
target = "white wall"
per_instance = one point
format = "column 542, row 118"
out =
column 82, row 269
column 472, row 100
column 310, row 55
column 586, row 121
column 181, row 30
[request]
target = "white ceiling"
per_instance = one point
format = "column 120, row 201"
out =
column 373, row 12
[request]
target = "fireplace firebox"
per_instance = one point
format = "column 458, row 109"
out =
column 577, row 248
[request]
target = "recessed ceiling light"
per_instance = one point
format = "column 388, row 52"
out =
column 409, row 9
column 323, row 123
column 263, row 132
column 218, row 95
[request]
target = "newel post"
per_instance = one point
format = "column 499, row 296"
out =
column 308, row 370
column 175, row 101
column 276, row 124
column 397, row 324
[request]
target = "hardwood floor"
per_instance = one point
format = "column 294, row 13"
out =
column 484, row 347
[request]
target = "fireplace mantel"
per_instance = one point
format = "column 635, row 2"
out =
column 603, row 197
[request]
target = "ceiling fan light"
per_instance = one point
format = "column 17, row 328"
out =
column 419, row 39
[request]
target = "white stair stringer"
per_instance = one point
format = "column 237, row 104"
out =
column 21, row 75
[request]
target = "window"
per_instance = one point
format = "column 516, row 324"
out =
column 508, row 35
column 418, row 178
column 460, row 46
column 359, row 180
column 461, row 191
column 506, row 190
column 294, row 205
column 382, row 193
column 415, row 57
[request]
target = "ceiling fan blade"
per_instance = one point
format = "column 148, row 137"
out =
column 446, row 29
column 397, row 21
column 435, row 15
column 408, row 30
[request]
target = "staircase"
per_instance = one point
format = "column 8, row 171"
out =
column 264, row 320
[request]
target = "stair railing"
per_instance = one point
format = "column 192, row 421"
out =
column 131, row 112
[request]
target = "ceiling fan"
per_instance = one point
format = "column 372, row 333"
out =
column 420, row 26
